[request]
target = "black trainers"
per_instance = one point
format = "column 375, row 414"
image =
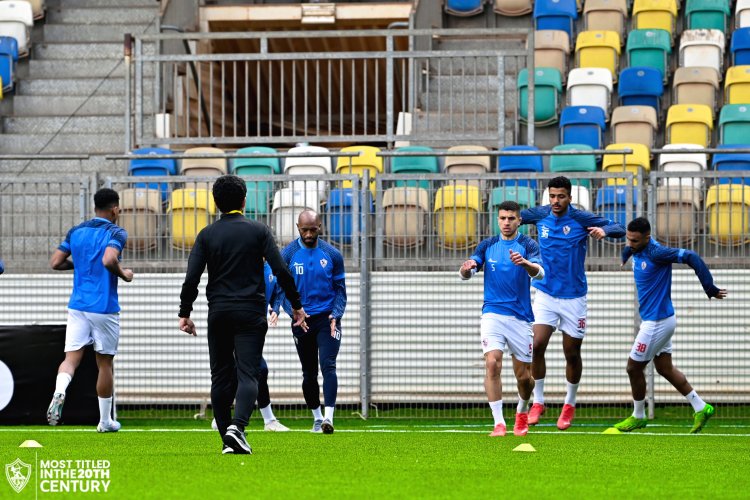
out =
column 327, row 426
column 235, row 439
column 225, row 450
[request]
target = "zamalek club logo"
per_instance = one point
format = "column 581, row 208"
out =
column 18, row 474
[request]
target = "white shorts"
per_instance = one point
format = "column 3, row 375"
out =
column 654, row 338
column 86, row 328
column 503, row 333
column 567, row 315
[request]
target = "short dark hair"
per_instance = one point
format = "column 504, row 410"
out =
column 229, row 193
column 639, row 225
column 561, row 182
column 510, row 206
column 106, row 198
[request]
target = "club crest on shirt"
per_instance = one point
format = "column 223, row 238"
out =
column 545, row 231
column 323, row 263
column 566, row 230
column 643, row 265
column 271, row 277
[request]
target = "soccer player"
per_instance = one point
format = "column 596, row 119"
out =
column 652, row 270
column 233, row 249
column 92, row 249
column 560, row 300
column 509, row 262
column 318, row 270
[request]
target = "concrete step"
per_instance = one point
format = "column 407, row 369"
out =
column 61, row 144
column 91, row 68
column 96, row 163
column 83, row 50
column 93, row 33
column 77, row 86
column 65, row 125
column 102, row 15
column 468, row 65
column 99, row 3
column 66, row 106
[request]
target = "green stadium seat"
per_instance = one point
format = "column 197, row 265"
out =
column 523, row 195
column 548, row 91
column 734, row 124
column 414, row 165
column 573, row 163
column 707, row 15
column 650, row 48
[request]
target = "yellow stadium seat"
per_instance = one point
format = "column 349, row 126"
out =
column 737, row 85
column 728, row 207
column 405, row 210
column 192, row 210
column 368, row 161
column 655, row 14
column 140, row 210
column 599, row 49
column 635, row 162
column 689, row 124
column 457, row 212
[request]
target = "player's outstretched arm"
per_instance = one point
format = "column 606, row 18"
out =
column 534, row 270
column 692, row 259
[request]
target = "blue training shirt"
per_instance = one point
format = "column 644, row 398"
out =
column 564, row 241
column 506, row 285
column 652, row 270
column 94, row 287
column 274, row 295
column 319, row 275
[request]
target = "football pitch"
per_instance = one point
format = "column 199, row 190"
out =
column 383, row 458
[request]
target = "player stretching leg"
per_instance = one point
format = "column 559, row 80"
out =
column 509, row 261
column 652, row 270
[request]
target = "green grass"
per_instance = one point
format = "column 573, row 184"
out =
column 403, row 458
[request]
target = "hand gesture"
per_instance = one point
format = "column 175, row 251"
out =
column 721, row 294
column 467, row 266
column 187, row 326
column 299, row 316
column 596, row 232
column 517, row 259
column 273, row 319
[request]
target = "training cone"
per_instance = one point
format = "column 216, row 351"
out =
column 611, row 430
column 30, row 443
column 524, row 447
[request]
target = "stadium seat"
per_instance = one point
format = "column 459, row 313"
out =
column 637, row 162
column 740, row 47
column 606, row 15
column 734, row 123
column 524, row 196
column 655, row 15
column 308, row 166
column 641, row 86
column 367, row 162
column 737, row 85
column 728, row 207
column 8, row 60
column 203, row 167
column 635, row 124
column 579, row 197
column 556, row 15
column 742, row 14
column 650, row 48
column 405, row 210
column 192, row 210
column 551, row 50
column 590, row 87
column 547, row 91
column 464, row 8
column 457, row 216
column 677, row 209
column 702, row 48
column 573, row 163
column 468, row 164
column 599, row 49
column 519, row 164
column 611, row 203
column 696, row 86
column 681, row 160
column 690, row 124
column 258, row 192
column 37, row 8
column 140, row 211
column 340, row 209
column 724, row 162
column 153, row 167
column 414, row 165
column 16, row 21
column 583, row 125
column 707, row 14
column 288, row 203
column 513, row 8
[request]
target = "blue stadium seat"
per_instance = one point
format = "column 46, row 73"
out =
column 8, row 59
column 641, row 86
column 556, row 15
column 509, row 164
column 611, row 203
column 464, row 8
column 740, row 47
column 340, row 222
column 583, row 125
column 156, row 166
column 732, row 161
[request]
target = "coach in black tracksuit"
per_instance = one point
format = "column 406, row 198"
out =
column 233, row 249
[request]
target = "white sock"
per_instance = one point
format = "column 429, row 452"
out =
column 61, row 385
column 268, row 415
column 497, row 411
column 316, row 414
column 639, row 408
column 539, row 391
column 105, row 408
column 523, row 406
column 329, row 413
column 570, row 396
column 696, row 401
